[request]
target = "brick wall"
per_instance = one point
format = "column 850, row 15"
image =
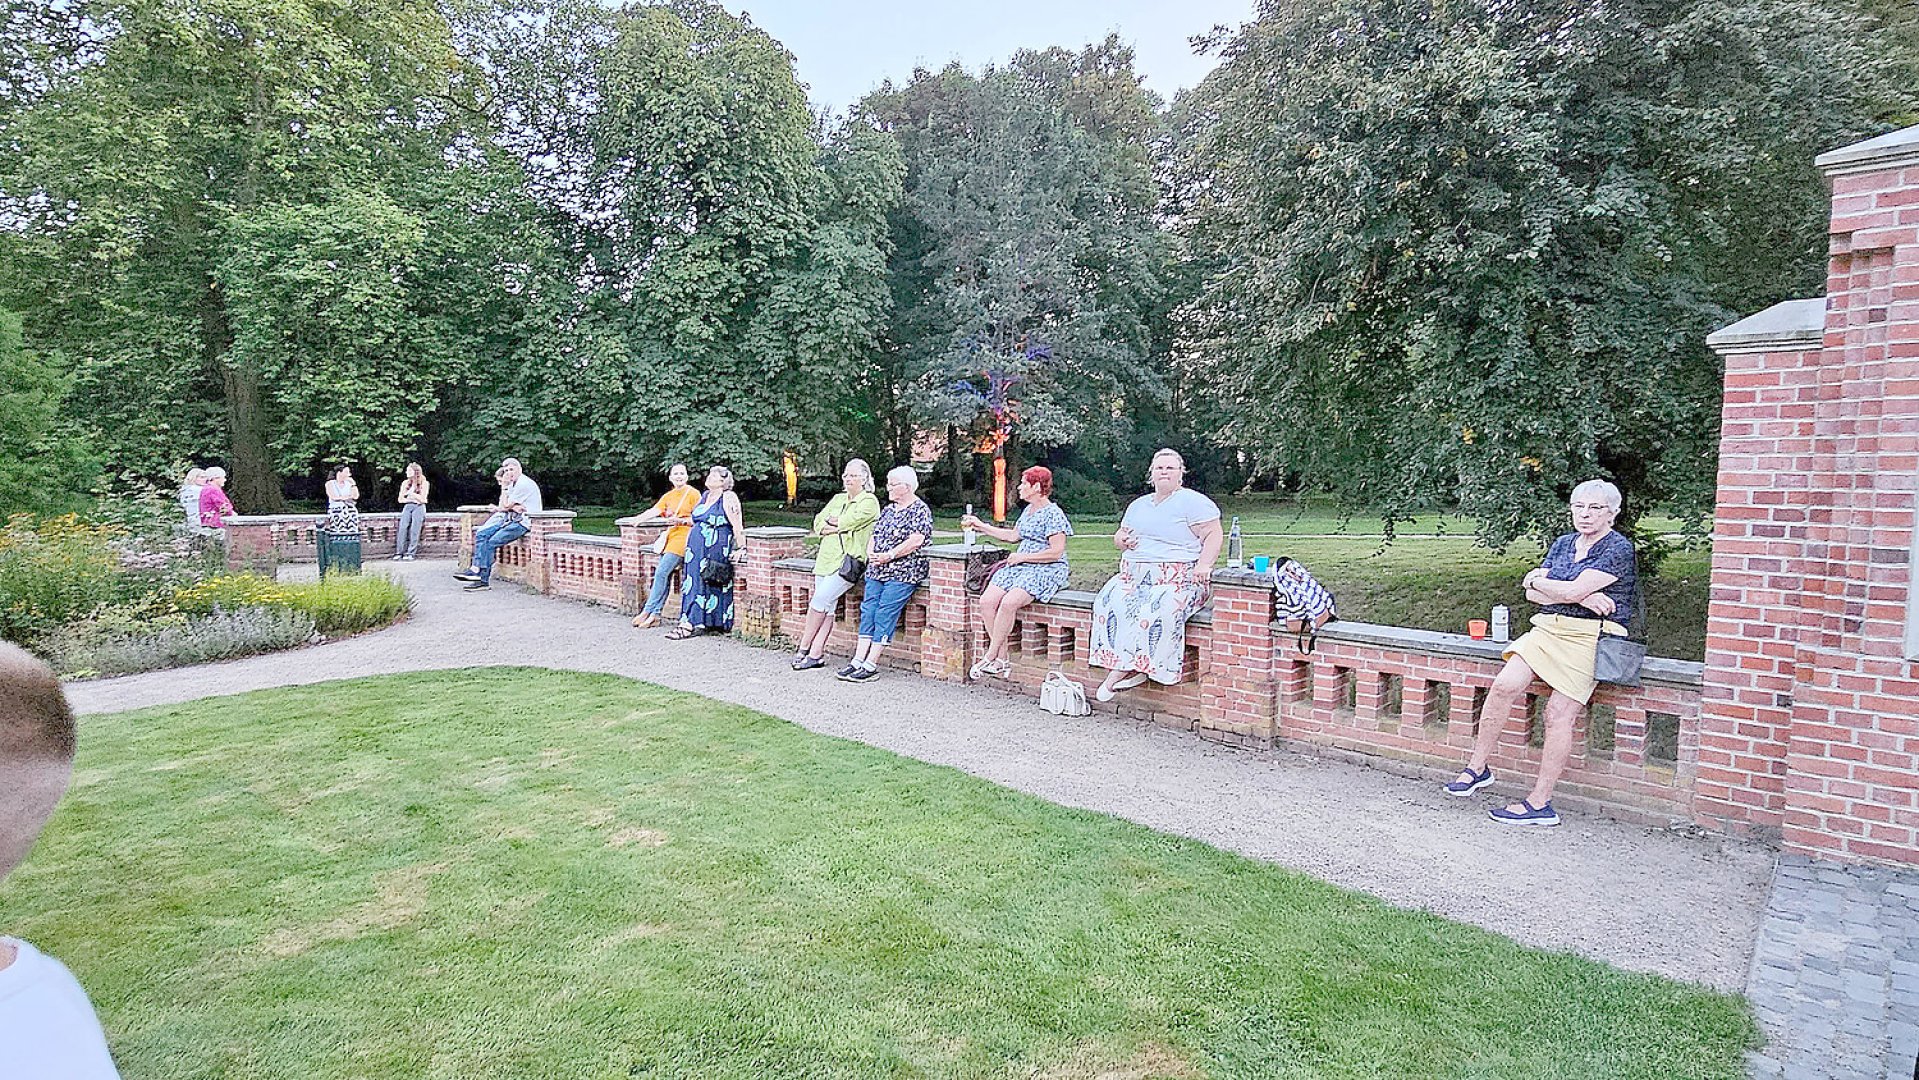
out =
column 1810, row 727
column 262, row 542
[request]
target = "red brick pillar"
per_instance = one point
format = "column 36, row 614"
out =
column 1239, row 696
column 1852, row 763
column 756, row 601
column 637, row 561
column 540, row 525
column 1758, row 564
column 946, row 648
column 471, row 518
column 253, row 545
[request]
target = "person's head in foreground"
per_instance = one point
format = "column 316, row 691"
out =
column 47, row 1026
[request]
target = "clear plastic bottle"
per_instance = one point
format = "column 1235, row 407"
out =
column 970, row 535
column 1235, row 547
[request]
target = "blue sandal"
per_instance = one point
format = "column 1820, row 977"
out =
column 1473, row 782
column 1533, row 815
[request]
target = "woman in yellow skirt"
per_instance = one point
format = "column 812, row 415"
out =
column 1589, row 577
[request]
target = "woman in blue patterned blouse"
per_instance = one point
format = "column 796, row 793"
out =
column 1585, row 588
column 1035, row 572
column 896, row 564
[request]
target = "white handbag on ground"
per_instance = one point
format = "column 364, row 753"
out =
column 1062, row 696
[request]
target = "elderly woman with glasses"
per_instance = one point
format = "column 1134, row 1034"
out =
column 1585, row 588
column 896, row 564
column 707, row 601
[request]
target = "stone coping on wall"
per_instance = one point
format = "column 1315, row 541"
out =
column 1789, row 323
column 535, row 515
column 302, row 519
column 1686, row 674
column 584, row 538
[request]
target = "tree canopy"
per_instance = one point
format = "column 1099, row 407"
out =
column 1460, row 253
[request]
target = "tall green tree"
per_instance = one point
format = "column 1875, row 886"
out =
column 142, row 140
column 715, row 277
column 44, row 463
column 1470, row 250
column 1026, row 243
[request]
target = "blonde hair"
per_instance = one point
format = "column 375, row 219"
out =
column 859, row 465
column 196, row 476
column 726, row 476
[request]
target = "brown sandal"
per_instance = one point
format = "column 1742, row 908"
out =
column 645, row 621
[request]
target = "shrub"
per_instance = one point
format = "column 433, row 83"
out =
column 349, row 603
column 1082, row 496
column 112, row 644
column 338, row 604
column 230, row 592
column 54, row 571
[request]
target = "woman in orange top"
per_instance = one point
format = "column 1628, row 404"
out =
column 675, row 508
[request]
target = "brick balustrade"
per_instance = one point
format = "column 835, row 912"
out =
column 262, row 542
column 1802, row 725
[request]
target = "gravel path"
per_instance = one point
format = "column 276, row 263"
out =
column 1644, row 899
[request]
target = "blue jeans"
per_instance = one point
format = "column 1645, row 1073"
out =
column 491, row 539
column 880, row 608
column 662, row 578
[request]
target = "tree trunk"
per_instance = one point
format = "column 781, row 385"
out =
column 254, row 487
column 955, row 456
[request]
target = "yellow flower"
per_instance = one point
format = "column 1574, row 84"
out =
column 1466, row 435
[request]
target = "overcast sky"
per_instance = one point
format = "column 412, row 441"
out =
column 845, row 47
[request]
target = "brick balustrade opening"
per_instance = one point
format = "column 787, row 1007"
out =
column 1801, row 727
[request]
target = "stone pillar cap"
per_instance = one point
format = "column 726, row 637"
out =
column 1893, row 149
column 1788, row 324
column 774, row 532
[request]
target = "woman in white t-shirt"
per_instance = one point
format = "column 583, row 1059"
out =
column 1168, row 541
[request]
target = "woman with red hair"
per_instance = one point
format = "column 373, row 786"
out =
column 1035, row 572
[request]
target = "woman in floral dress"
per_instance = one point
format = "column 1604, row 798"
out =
column 709, row 544
column 1168, row 541
column 1035, row 572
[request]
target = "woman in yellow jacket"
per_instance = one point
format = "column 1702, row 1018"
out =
column 844, row 529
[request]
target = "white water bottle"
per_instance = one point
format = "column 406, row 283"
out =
column 968, row 532
column 1502, row 623
column 1234, row 547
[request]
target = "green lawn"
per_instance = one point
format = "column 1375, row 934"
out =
column 515, row 873
column 1433, row 576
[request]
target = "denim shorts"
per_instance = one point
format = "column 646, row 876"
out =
column 880, row 608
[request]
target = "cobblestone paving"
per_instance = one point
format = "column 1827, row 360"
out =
column 1835, row 975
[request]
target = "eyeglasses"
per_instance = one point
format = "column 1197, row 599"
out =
column 1594, row 507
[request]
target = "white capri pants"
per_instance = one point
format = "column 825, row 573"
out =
column 827, row 590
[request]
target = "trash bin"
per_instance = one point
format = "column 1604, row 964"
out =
column 339, row 553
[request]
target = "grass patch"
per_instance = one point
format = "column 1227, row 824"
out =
column 512, row 873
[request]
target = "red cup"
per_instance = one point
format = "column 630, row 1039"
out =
column 1477, row 628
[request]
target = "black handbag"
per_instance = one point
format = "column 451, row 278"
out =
column 716, row 573
column 1619, row 658
column 852, row 570
column 980, row 566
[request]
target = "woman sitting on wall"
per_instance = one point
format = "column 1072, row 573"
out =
column 896, row 564
column 1035, row 572
column 1585, row 588
column 706, row 602
column 674, row 509
column 413, row 494
column 845, row 528
column 1168, row 541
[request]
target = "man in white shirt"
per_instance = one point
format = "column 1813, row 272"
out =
column 47, row 1025
column 519, row 496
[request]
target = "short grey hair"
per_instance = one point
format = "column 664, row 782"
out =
column 1598, row 491
column 216, row 473
column 1177, row 456
column 859, row 465
column 903, row 474
column 512, row 463
column 726, row 476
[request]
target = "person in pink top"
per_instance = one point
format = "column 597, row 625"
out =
column 47, row 1025
column 215, row 507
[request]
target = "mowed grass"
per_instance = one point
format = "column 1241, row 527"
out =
column 519, row 873
column 1433, row 576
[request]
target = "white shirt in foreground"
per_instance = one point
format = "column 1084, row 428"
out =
column 47, row 1025
column 1165, row 529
